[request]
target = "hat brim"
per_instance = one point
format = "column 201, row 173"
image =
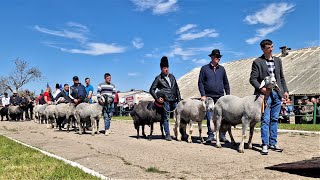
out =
column 219, row 56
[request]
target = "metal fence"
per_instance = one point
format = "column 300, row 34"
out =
column 314, row 114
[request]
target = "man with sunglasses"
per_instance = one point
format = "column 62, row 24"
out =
column 213, row 82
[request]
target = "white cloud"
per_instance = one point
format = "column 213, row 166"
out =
column 201, row 61
column 79, row 33
column 96, row 49
column 137, row 43
column 178, row 51
column 78, row 26
column 187, row 53
column 133, row 74
column 149, row 55
column 272, row 16
column 63, row 33
column 158, row 7
column 205, row 33
column 185, row 28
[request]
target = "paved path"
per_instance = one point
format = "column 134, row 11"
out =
column 122, row 156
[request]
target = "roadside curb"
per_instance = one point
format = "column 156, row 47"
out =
column 74, row 164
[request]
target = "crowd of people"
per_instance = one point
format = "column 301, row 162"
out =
column 302, row 111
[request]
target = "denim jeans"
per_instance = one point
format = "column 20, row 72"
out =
column 168, row 106
column 208, row 117
column 269, row 119
column 107, row 114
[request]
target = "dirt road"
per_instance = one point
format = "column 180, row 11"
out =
column 122, row 156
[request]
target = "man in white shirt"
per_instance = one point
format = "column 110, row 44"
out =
column 57, row 90
column 5, row 103
column 5, row 100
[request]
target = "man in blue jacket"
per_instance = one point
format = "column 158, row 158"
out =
column 213, row 82
column 77, row 91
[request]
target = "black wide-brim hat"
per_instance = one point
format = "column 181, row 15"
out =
column 216, row 53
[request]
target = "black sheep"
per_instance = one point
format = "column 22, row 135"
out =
column 146, row 113
column 4, row 112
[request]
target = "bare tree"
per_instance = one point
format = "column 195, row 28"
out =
column 20, row 76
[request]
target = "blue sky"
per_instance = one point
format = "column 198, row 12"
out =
column 127, row 38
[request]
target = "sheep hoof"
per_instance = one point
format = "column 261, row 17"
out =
column 189, row 141
column 250, row 146
column 149, row 138
column 241, row 151
column 219, row 146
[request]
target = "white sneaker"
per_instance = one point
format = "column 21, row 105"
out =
column 264, row 150
column 276, row 148
column 107, row 132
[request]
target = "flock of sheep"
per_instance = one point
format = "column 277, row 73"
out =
column 226, row 112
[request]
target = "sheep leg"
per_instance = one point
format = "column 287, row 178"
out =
column 217, row 130
column 79, row 123
column 151, row 131
column 250, row 137
column 138, row 128
column 143, row 134
column 94, row 125
column 244, row 126
column 233, row 142
column 161, row 128
column 177, row 125
column 200, row 131
column 190, row 131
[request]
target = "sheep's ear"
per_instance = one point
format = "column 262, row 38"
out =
column 263, row 83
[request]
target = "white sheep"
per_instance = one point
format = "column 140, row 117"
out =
column 89, row 112
column 50, row 113
column 189, row 111
column 232, row 110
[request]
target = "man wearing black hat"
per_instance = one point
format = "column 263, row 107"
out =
column 77, row 91
column 213, row 82
column 167, row 85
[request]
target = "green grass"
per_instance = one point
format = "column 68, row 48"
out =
column 155, row 170
column 21, row 162
column 302, row 127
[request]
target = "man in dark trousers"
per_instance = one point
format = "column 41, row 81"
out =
column 213, row 82
column 263, row 66
column 167, row 85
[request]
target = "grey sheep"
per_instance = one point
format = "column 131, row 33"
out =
column 15, row 113
column 40, row 113
column 189, row 111
column 232, row 110
column 85, row 112
column 50, row 113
